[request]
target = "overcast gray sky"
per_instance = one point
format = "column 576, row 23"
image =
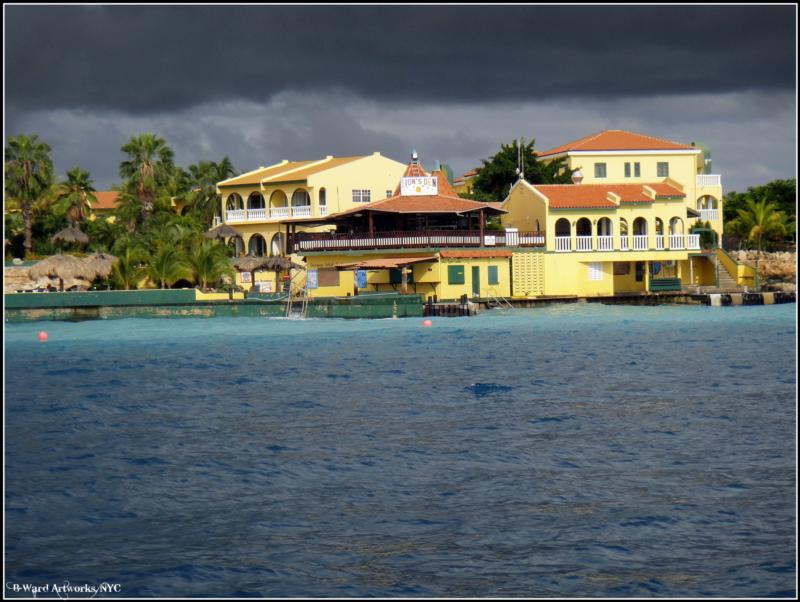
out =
column 265, row 83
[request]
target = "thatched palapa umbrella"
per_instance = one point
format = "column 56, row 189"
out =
column 252, row 264
column 70, row 234
column 222, row 231
column 101, row 264
column 63, row 267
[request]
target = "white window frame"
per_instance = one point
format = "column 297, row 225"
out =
column 361, row 195
column 595, row 270
column 598, row 167
column 659, row 165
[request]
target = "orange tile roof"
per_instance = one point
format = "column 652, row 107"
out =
column 473, row 254
column 443, row 184
column 106, row 199
column 592, row 196
column 614, row 140
column 424, row 204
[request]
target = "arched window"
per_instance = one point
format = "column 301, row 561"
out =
column 234, row 202
column 604, row 227
column 323, row 196
column 583, row 227
column 676, row 225
column 563, row 228
column 278, row 199
column 639, row 226
column 257, row 246
column 623, row 227
column 659, row 227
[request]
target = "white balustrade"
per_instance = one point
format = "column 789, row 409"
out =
column 583, row 243
column 693, row 241
column 605, row 243
column 709, row 215
column 676, row 242
column 323, row 210
column 235, row 215
column 278, row 212
column 255, row 215
column 640, row 242
column 563, row 243
column 623, row 243
column 301, row 211
column 709, row 180
column 659, row 242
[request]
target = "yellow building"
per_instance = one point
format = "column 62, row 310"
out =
column 420, row 240
column 257, row 202
column 625, row 224
column 463, row 184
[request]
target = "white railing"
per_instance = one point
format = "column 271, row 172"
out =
column 235, row 215
column 605, row 243
column 254, row 215
column 676, row 242
column 278, row 212
column 323, row 210
column 563, row 243
column 623, row 243
column 709, row 215
column 583, row 243
column 659, row 242
column 693, row 241
column 640, row 242
column 301, row 211
column 709, row 180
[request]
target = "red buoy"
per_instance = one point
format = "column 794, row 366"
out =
column 427, row 323
column 43, row 336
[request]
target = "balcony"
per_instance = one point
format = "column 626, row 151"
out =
column 640, row 242
column 276, row 213
column 605, row 243
column 301, row 211
column 709, row 215
column 335, row 241
column 705, row 180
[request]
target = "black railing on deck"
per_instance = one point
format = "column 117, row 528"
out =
column 410, row 239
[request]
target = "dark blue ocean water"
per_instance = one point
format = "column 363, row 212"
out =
column 575, row 450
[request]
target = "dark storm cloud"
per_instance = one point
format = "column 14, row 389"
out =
column 149, row 59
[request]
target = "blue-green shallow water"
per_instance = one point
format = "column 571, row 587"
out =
column 576, row 450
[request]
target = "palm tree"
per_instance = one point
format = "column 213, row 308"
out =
column 76, row 196
column 128, row 271
column 149, row 165
column 759, row 219
column 203, row 179
column 209, row 263
column 29, row 174
column 168, row 266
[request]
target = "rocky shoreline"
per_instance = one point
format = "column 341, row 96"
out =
column 780, row 267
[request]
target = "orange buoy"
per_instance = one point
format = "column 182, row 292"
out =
column 427, row 323
column 43, row 336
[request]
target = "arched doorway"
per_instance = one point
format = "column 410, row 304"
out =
column 583, row 235
column 708, row 207
column 257, row 246
column 236, row 243
column 563, row 235
column 323, row 201
column 659, row 234
column 605, row 234
column 623, row 235
column 676, row 237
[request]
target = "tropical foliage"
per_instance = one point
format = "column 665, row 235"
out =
column 773, row 205
column 154, row 245
column 498, row 173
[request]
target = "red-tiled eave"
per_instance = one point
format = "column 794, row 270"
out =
column 616, row 140
column 424, row 204
column 595, row 196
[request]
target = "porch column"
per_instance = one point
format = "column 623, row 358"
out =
column 647, row 276
column 481, row 225
column 289, row 242
column 371, row 228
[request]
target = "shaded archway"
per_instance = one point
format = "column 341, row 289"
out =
column 278, row 204
column 640, row 233
column 277, row 245
column 323, row 201
column 676, row 237
column 623, row 234
column 605, row 234
column 708, row 206
column 233, row 202
column 563, row 236
column 301, row 203
column 583, row 234
column 659, row 234
column 236, row 243
column 257, row 246
column 255, row 201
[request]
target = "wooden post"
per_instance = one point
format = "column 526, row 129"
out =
column 288, row 242
column 371, row 227
column 481, row 225
column 403, row 280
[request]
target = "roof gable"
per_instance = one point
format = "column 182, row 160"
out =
column 616, row 140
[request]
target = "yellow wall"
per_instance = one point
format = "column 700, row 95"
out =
column 525, row 209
